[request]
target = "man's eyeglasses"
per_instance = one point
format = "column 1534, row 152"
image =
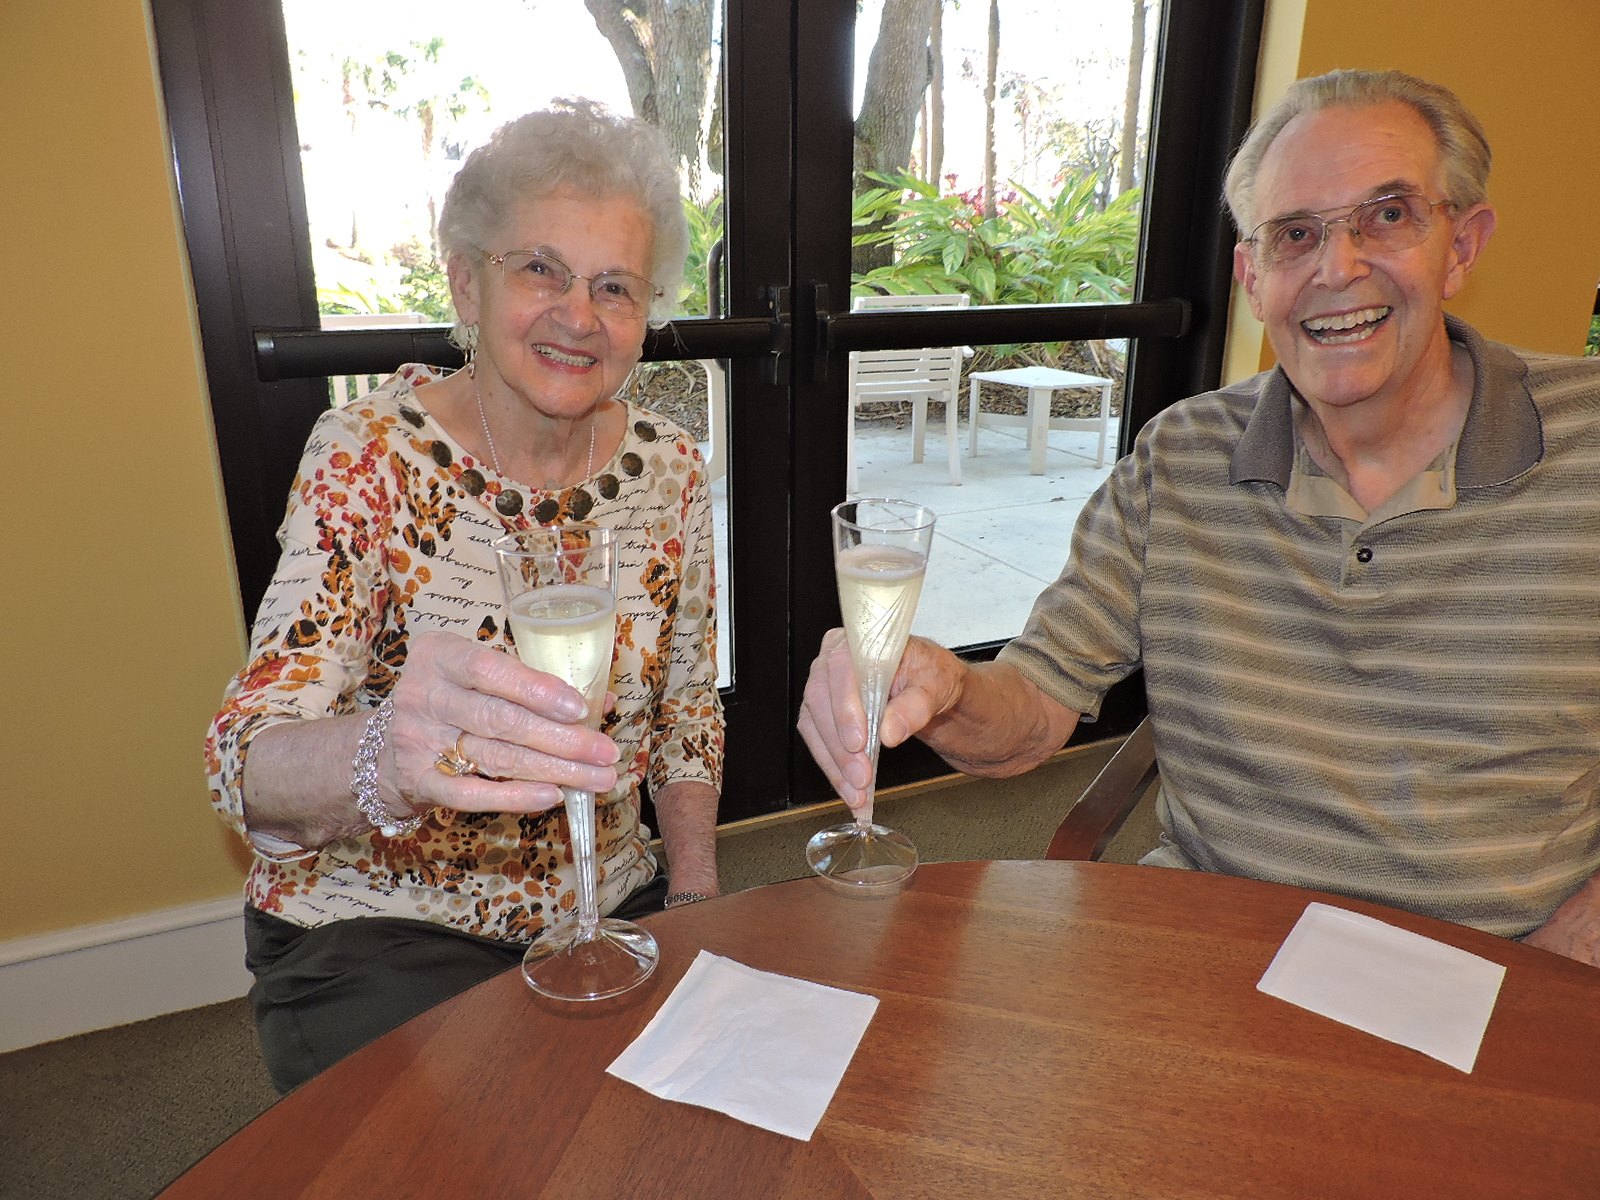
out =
column 1396, row 222
column 546, row 277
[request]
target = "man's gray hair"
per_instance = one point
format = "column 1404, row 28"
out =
column 1463, row 148
column 575, row 144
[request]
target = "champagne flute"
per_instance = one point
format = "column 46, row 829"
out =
column 880, row 554
column 561, row 591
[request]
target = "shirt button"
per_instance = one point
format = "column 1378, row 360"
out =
column 1364, row 555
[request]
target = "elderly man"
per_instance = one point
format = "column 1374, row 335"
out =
column 1364, row 586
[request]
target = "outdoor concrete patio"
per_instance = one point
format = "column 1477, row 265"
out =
column 1002, row 535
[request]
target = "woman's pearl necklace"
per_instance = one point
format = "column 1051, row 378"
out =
column 494, row 455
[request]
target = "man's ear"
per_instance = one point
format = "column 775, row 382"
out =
column 1472, row 232
column 1244, row 273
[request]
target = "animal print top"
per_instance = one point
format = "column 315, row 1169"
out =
column 388, row 532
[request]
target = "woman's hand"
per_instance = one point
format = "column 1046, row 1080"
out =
column 834, row 724
column 521, row 728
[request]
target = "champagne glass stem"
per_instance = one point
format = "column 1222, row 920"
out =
column 874, row 698
column 580, row 826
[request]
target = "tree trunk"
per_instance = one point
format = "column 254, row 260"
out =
column 935, row 121
column 615, row 21
column 1127, row 173
column 991, row 70
column 897, row 76
column 922, row 142
column 664, row 49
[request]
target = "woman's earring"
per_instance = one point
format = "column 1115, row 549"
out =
column 471, row 349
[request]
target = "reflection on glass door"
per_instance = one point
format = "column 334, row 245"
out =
column 999, row 160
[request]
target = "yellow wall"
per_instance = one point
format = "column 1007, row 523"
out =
column 113, row 516
column 1528, row 71
column 119, row 605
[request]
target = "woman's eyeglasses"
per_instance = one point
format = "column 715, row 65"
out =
column 545, row 276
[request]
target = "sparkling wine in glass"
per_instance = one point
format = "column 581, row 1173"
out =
column 880, row 554
column 561, row 593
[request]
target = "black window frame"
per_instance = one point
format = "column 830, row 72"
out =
column 225, row 72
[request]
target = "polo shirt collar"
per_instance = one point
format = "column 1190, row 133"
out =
column 1502, row 438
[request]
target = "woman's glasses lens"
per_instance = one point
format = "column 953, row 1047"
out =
column 542, row 275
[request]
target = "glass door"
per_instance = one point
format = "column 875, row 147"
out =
column 1017, row 180
column 404, row 91
column 1050, row 167
column 1045, row 179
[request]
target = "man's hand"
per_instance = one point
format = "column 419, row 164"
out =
column 1573, row 930
column 834, row 725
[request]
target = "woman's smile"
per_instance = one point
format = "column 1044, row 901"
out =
column 565, row 358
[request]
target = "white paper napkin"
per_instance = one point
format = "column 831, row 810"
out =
column 1390, row 982
column 767, row 1049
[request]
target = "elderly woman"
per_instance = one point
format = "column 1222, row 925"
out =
column 396, row 771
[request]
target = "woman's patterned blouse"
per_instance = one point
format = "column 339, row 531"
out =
column 388, row 532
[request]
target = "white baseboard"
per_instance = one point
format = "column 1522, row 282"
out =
column 96, row 976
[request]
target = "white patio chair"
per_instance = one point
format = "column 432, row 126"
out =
column 915, row 375
column 352, row 387
column 717, row 406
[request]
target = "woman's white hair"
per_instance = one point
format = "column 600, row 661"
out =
column 1463, row 148
column 575, row 144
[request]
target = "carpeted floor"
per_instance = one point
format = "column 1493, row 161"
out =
column 120, row 1113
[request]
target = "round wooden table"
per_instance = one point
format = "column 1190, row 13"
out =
column 1045, row 1029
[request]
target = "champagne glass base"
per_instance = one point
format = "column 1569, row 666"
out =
column 619, row 956
column 862, row 859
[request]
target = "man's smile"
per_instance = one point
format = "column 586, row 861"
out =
column 1343, row 328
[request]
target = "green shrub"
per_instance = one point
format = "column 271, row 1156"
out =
column 1034, row 251
column 705, row 231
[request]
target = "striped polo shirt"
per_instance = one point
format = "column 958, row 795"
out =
column 1402, row 706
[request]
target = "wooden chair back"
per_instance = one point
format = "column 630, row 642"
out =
column 1109, row 801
